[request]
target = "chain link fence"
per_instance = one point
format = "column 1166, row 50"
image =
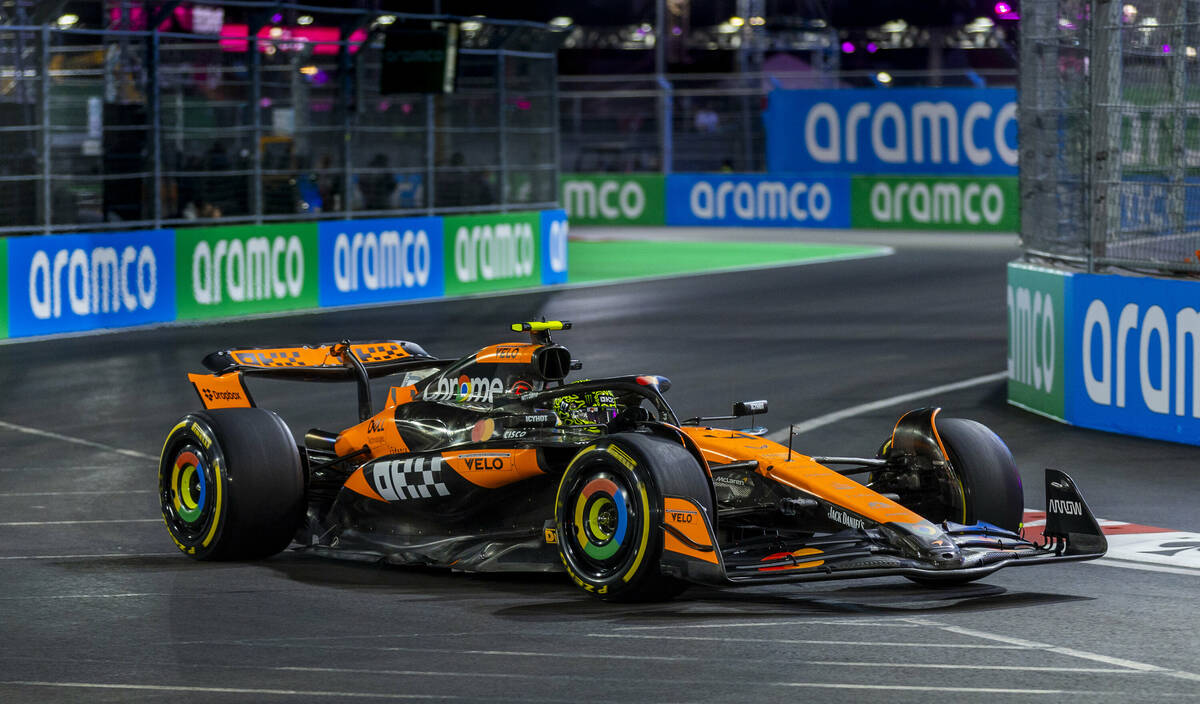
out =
column 115, row 129
column 703, row 122
column 1110, row 132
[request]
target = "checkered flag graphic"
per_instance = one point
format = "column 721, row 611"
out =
column 413, row 478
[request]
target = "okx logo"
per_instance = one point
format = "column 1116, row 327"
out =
column 246, row 269
column 68, row 283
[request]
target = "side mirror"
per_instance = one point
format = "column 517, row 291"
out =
column 749, row 408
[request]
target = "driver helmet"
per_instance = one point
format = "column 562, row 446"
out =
column 589, row 408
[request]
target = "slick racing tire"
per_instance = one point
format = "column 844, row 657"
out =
column 989, row 480
column 231, row 485
column 608, row 514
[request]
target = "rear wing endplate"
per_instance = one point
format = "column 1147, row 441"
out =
column 322, row 362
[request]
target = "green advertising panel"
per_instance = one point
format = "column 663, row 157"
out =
column 613, row 199
column 492, row 252
column 3, row 287
column 986, row 204
column 245, row 269
column 1036, row 339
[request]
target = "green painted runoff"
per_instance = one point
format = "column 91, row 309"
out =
column 630, row 259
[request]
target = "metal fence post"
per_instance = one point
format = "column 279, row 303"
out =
column 502, row 127
column 1105, row 129
column 256, row 191
column 155, row 122
column 430, row 147
column 666, row 127
column 556, row 127
column 44, row 59
column 1176, row 195
column 346, row 65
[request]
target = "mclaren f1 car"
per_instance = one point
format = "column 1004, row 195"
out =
column 494, row 462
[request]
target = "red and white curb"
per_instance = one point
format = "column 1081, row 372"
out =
column 1136, row 546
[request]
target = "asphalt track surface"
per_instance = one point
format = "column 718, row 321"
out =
column 96, row 604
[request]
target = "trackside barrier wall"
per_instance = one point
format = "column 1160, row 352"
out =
column 71, row 283
column 926, row 159
column 834, row 201
column 1111, row 352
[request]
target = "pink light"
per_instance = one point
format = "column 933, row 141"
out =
column 1003, row 8
column 872, row 48
column 848, row 47
column 1166, row 48
column 234, row 38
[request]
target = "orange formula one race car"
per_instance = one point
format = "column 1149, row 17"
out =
column 494, row 462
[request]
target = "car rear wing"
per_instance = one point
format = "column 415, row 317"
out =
column 336, row 361
column 323, row 362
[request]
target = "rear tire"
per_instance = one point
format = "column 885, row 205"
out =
column 608, row 513
column 231, row 485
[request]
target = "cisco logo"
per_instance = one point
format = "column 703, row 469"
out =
column 255, row 269
column 761, row 200
column 92, row 281
column 388, row 260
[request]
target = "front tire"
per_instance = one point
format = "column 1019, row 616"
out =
column 989, row 476
column 231, row 485
column 608, row 513
column 988, row 479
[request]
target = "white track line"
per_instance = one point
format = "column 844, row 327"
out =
column 390, row 695
column 1070, row 652
column 935, row 688
column 569, row 676
column 797, row 641
column 939, row 666
column 1145, row 566
column 229, row 690
column 759, row 624
column 101, row 556
column 80, row 523
column 77, row 441
column 75, row 493
column 781, row 435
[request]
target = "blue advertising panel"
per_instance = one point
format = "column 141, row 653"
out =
column 554, row 246
column 761, row 200
column 893, row 131
column 69, row 283
column 1145, row 205
column 374, row 261
column 1132, row 357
